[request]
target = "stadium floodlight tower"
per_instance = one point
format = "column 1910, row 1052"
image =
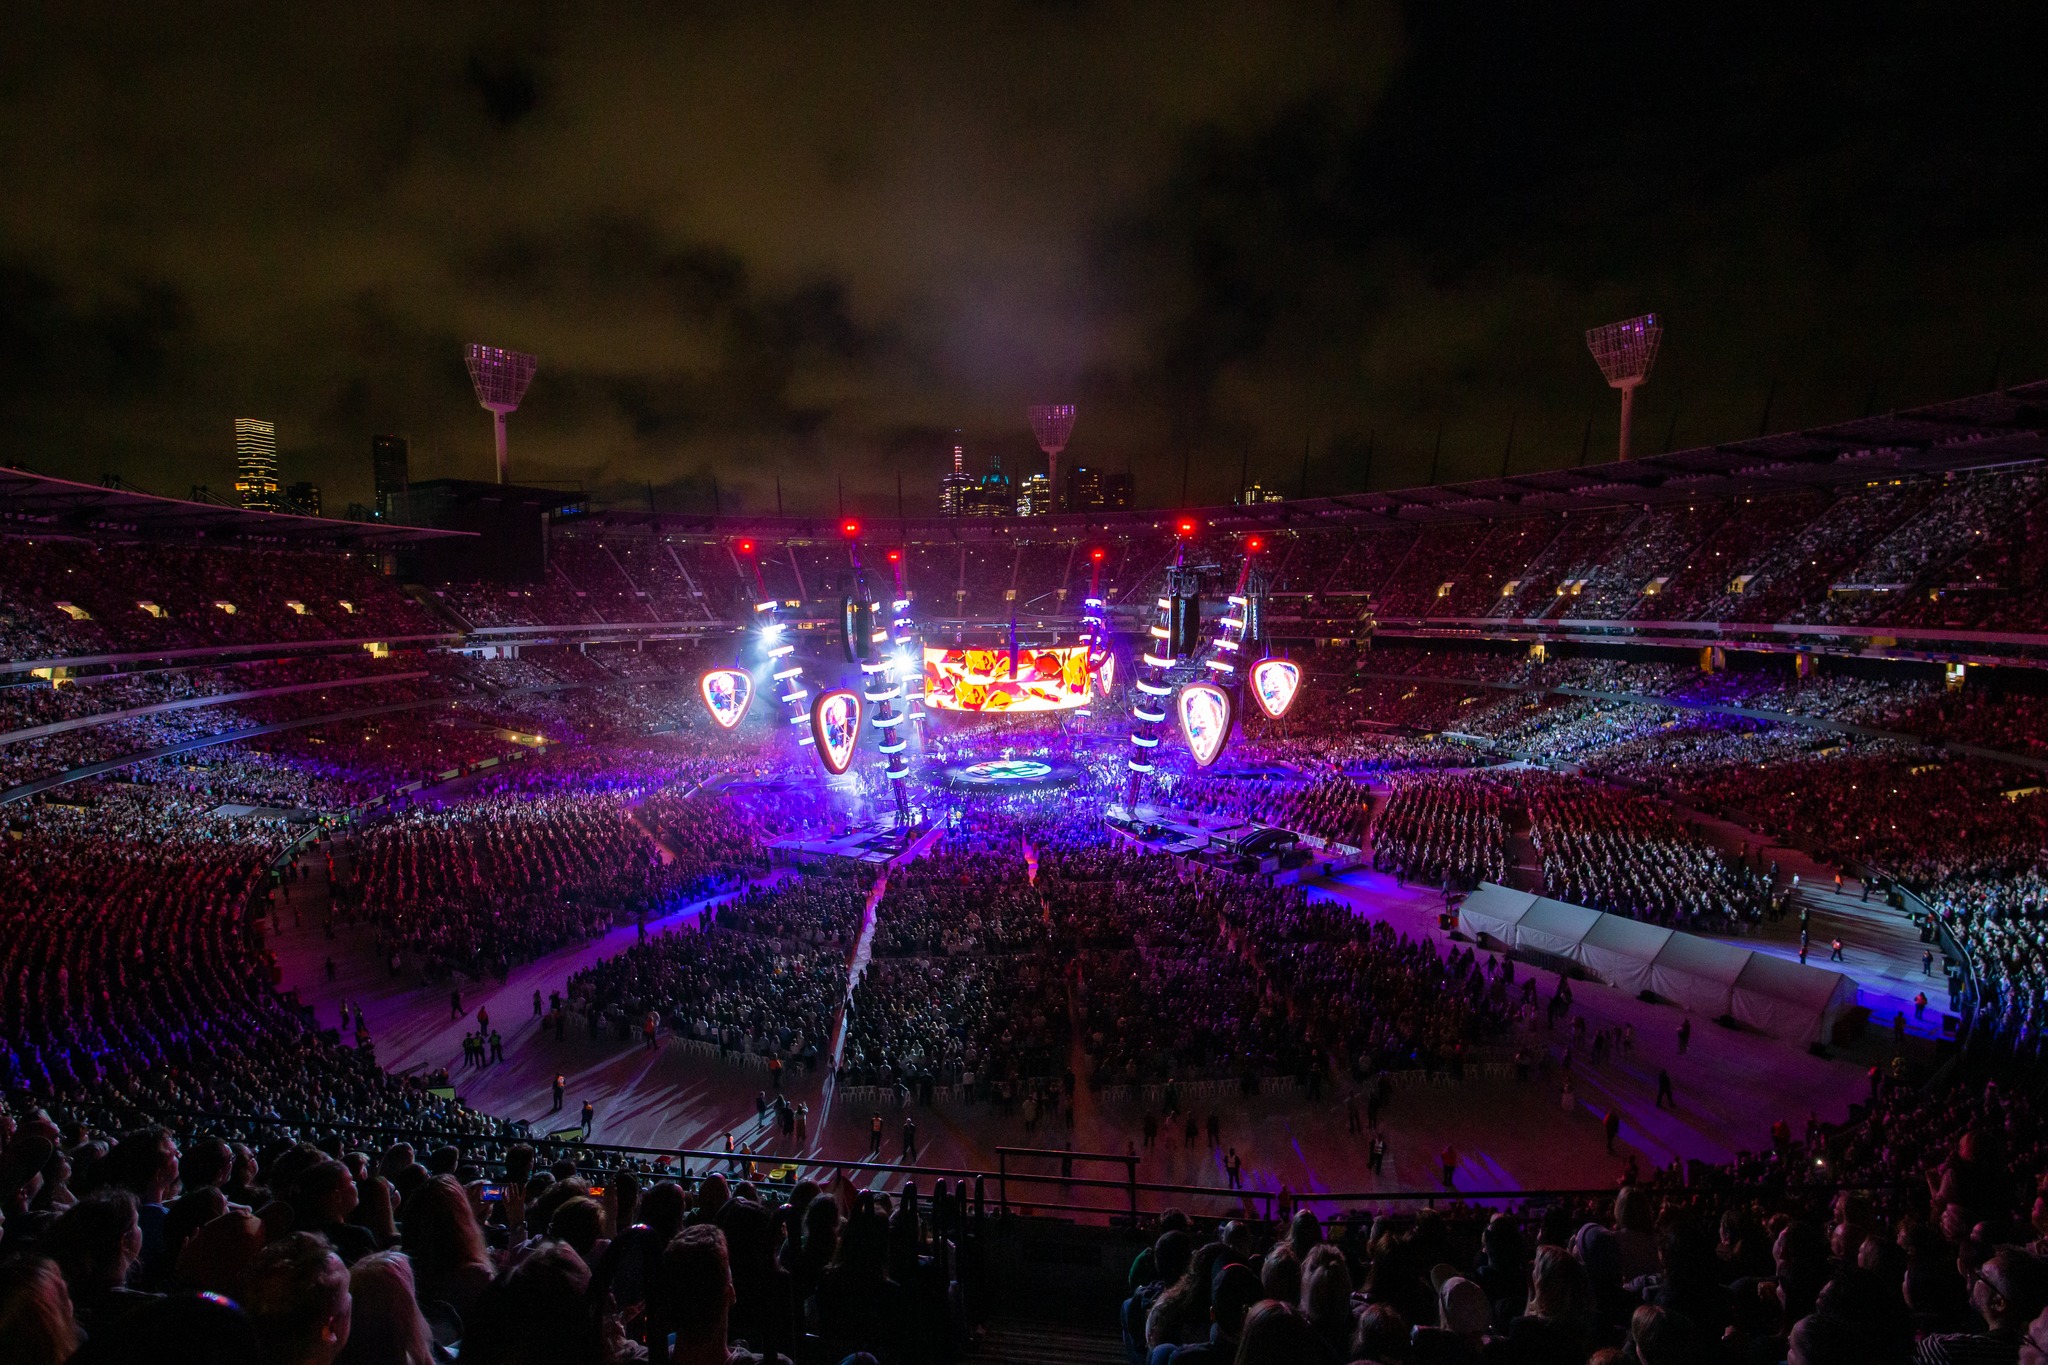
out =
column 1053, row 425
column 1625, row 351
column 501, row 377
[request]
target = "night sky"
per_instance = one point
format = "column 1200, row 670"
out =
column 812, row 239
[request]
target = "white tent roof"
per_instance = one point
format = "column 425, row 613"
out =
column 1698, row 973
column 1551, row 926
column 1620, row 950
column 1788, row 1000
column 1494, row 910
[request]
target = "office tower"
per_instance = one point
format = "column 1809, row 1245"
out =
column 994, row 498
column 1116, row 492
column 956, row 489
column 390, row 475
column 1084, row 489
column 256, row 464
column 303, row 499
column 1034, row 496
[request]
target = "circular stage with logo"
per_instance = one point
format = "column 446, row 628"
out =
column 1012, row 774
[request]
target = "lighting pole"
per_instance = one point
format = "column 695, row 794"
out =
column 1625, row 351
column 1053, row 425
column 501, row 377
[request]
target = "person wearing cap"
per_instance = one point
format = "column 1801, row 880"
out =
column 2008, row 1291
column 1232, row 1291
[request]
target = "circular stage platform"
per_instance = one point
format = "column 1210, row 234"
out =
column 1012, row 774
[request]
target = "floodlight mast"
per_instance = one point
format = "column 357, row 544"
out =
column 1625, row 351
column 1053, row 425
column 501, row 377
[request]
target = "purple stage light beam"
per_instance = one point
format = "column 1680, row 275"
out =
column 501, row 377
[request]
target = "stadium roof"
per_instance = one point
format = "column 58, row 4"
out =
column 2007, row 427
column 37, row 502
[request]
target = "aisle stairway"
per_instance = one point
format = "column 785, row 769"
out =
column 1020, row 1341
column 1881, row 950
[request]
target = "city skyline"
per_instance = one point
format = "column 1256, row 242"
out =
column 1377, row 234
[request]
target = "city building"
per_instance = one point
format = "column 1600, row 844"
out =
column 1034, row 496
column 1091, row 490
column 956, row 490
column 1254, row 494
column 390, row 475
column 256, row 464
column 992, row 497
column 1084, row 489
column 303, row 499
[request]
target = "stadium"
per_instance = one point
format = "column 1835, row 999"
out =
column 1303, row 684
column 1671, row 825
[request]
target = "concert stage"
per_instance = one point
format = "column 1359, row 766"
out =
column 1004, row 775
column 876, row 845
column 1231, row 843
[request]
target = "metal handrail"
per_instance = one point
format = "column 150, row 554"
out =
column 1247, row 1199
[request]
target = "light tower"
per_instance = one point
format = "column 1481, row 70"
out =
column 501, row 377
column 1053, row 425
column 1625, row 351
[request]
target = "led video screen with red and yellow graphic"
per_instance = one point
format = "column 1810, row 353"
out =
column 982, row 680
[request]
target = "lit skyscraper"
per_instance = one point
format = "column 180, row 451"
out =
column 1034, row 496
column 390, row 475
column 956, row 490
column 256, row 464
column 994, row 497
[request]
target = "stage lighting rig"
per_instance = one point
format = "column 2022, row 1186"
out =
column 881, row 678
column 777, row 653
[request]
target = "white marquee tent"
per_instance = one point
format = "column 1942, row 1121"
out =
column 1770, row 994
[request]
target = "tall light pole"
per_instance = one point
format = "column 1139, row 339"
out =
column 1053, row 425
column 1625, row 351
column 501, row 377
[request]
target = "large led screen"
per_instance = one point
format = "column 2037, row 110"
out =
column 982, row 680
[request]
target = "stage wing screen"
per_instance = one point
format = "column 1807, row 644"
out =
column 982, row 680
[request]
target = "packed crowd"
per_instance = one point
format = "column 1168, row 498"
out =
column 483, row 885
column 1629, row 856
column 134, row 981
column 1330, row 807
column 126, row 1247
column 64, row 597
column 765, row 979
column 1444, row 828
column 1922, row 1240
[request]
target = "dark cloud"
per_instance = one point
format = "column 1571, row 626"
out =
column 810, row 241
